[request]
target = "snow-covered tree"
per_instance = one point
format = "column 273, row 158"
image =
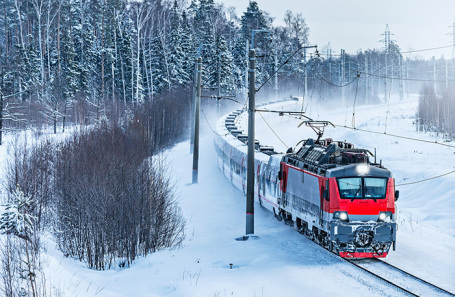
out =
column 176, row 55
column 16, row 219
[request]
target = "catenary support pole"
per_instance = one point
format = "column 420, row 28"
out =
column 305, row 92
column 218, row 97
column 193, row 109
column 250, row 164
column 196, row 120
column 246, row 68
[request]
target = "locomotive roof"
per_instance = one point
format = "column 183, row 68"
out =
column 334, row 159
column 354, row 170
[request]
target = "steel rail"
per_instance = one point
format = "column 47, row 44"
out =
column 415, row 277
column 381, row 278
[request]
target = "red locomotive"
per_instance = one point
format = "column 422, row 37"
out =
column 327, row 189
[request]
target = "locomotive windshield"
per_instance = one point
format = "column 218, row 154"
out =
column 362, row 187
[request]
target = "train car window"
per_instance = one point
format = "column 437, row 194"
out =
column 362, row 188
column 375, row 187
column 350, row 187
column 327, row 189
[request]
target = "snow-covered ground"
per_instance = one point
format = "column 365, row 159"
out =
column 282, row 262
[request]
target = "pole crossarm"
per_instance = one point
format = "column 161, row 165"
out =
column 282, row 112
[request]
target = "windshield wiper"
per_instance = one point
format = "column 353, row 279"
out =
column 372, row 196
column 357, row 192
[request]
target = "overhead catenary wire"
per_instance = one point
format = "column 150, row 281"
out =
column 426, row 179
column 411, row 51
column 388, row 77
column 355, row 99
column 284, row 63
column 335, row 85
column 273, row 130
column 405, row 79
column 397, row 136
column 427, row 49
column 210, row 126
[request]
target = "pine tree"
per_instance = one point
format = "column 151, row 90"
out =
column 176, row 55
column 225, row 60
column 27, row 71
column 16, row 219
column 188, row 49
column 157, row 62
column 239, row 54
column 124, row 71
column 256, row 19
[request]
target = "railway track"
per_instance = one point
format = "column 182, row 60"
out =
column 393, row 276
column 398, row 278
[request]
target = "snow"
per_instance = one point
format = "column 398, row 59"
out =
column 282, row 262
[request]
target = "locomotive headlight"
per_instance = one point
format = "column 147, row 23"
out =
column 341, row 215
column 385, row 216
column 362, row 169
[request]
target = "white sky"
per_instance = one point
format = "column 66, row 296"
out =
column 358, row 24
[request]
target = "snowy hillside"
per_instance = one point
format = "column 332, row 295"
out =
column 283, row 262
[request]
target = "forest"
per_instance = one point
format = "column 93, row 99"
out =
column 123, row 72
column 72, row 61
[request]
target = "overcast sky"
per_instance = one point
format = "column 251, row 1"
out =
column 358, row 24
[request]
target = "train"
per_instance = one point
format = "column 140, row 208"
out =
column 328, row 190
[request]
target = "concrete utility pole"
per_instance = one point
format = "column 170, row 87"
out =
column 329, row 59
column 250, row 164
column 276, row 76
column 305, row 92
column 196, row 120
column 246, row 68
column 343, row 77
column 434, row 74
column 406, row 76
column 193, row 110
column 453, row 40
column 218, row 98
column 401, row 78
column 367, row 78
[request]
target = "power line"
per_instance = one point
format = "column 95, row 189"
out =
column 407, row 79
column 424, row 180
column 413, row 51
column 335, row 85
column 203, row 113
column 427, row 49
column 397, row 136
column 285, row 62
column 273, row 130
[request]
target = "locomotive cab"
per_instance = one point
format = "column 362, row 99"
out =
column 363, row 207
column 337, row 196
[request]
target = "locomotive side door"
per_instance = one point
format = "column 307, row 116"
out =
column 282, row 188
column 284, row 183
